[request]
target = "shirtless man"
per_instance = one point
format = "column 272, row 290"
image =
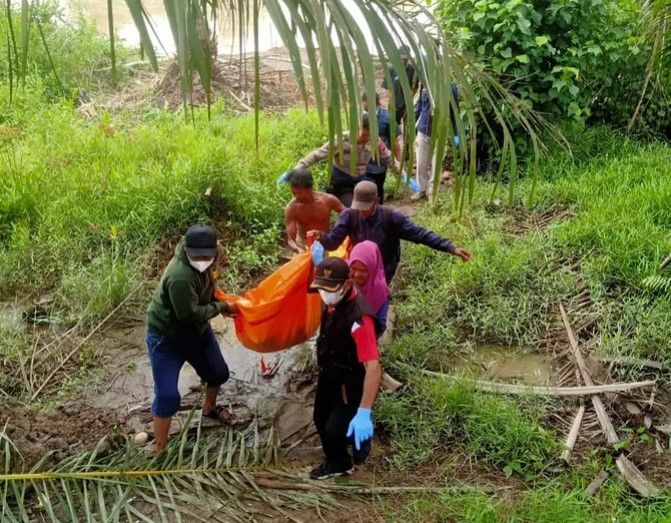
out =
column 308, row 210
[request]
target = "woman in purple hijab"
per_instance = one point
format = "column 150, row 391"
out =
column 367, row 271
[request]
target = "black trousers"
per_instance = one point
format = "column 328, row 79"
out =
column 332, row 416
column 379, row 179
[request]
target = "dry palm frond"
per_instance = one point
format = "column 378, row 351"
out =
column 209, row 477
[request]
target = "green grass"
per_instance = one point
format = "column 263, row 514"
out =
column 618, row 232
column 86, row 201
column 557, row 501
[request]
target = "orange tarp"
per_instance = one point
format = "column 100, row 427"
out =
column 279, row 313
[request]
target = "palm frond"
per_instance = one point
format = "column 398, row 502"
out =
column 201, row 477
column 341, row 64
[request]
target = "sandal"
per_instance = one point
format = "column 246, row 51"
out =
column 230, row 419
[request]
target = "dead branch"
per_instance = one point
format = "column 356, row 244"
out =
column 595, row 485
column 635, row 362
column 629, row 471
column 513, row 388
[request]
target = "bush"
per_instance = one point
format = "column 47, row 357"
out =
column 71, row 56
column 557, row 55
column 497, row 430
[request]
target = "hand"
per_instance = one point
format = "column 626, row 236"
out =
column 463, row 254
column 414, row 186
column 361, row 427
column 317, row 251
column 313, row 235
column 282, row 178
column 231, row 309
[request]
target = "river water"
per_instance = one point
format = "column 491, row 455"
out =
column 125, row 28
column 228, row 38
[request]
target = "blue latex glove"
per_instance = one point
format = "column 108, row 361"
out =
column 361, row 427
column 414, row 186
column 317, row 251
column 457, row 140
column 282, row 178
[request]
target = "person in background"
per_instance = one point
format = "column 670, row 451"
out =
column 396, row 90
column 426, row 163
column 386, row 227
column 349, row 370
column 343, row 179
column 376, row 170
column 367, row 272
column 179, row 331
column 308, row 209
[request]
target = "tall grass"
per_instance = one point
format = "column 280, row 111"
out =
column 61, row 57
column 617, row 233
column 82, row 202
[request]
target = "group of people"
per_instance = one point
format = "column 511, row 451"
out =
column 374, row 160
column 355, row 295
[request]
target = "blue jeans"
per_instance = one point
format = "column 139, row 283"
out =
column 167, row 357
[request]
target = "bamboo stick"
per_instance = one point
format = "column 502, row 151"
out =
column 573, row 434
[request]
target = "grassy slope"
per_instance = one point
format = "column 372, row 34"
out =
column 82, row 203
column 620, row 195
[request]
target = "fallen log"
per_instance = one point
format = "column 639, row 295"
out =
column 629, row 471
column 539, row 390
column 573, row 434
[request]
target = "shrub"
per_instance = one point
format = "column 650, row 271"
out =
column 558, row 55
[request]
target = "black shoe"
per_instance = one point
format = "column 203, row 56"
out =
column 361, row 455
column 328, row 470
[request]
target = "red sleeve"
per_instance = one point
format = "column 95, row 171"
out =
column 363, row 332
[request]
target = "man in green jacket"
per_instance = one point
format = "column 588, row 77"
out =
column 179, row 331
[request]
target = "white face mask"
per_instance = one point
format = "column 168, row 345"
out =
column 200, row 266
column 331, row 298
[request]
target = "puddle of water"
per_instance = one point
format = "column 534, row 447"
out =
column 130, row 387
column 495, row 362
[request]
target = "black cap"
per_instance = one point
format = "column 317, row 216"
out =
column 404, row 50
column 201, row 241
column 332, row 273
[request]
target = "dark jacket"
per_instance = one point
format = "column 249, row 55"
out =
column 336, row 349
column 183, row 303
column 386, row 227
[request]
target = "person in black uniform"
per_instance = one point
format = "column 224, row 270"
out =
column 349, row 370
